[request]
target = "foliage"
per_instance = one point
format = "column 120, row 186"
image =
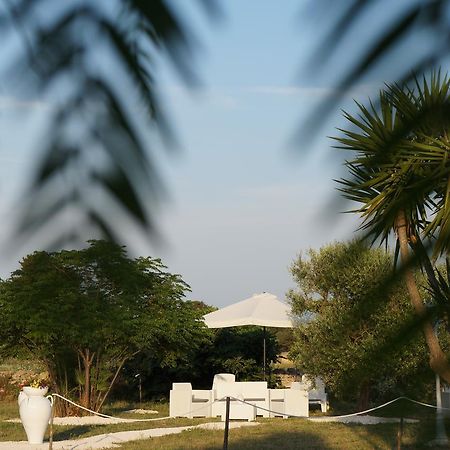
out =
column 393, row 170
column 241, row 367
column 393, row 37
column 36, row 383
column 130, row 37
column 238, row 350
column 84, row 313
column 399, row 176
column 105, row 168
column 362, row 326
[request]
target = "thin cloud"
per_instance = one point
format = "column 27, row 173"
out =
column 310, row 91
column 13, row 103
column 229, row 98
column 272, row 192
column 216, row 97
column 291, row 90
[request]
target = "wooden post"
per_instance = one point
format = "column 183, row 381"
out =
column 264, row 353
column 227, row 423
column 140, row 391
column 50, row 440
column 400, row 434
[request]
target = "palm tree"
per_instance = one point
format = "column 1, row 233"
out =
column 400, row 178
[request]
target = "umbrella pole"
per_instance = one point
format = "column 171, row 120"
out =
column 264, row 353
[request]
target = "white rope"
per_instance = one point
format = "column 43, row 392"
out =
column 426, row 404
column 153, row 419
column 388, row 403
column 345, row 415
column 82, row 407
column 193, row 411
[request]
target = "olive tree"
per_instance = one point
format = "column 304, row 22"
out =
column 85, row 313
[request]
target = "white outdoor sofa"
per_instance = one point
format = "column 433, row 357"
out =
column 248, row 399
column 253, row 393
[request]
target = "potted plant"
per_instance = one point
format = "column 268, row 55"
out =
column 35, row 409
column 35, row 387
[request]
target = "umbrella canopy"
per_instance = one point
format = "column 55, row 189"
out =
column 263, row 309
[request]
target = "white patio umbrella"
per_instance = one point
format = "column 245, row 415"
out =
column 263, row 309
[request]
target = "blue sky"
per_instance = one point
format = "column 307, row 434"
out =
column 245, row 197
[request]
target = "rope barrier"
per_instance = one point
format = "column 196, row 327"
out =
column 153, row 419
column 270, row 411
column 83, row 408
column 227, row 398
column 345, row 415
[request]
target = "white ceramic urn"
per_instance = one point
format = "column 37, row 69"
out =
column 35, row 411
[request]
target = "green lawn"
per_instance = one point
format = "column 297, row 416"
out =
column 15, row 432
column 279, row 434
column 271, row 434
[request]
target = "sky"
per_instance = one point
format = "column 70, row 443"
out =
column 247, row 193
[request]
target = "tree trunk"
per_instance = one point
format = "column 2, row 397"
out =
column 364, row 396
column 55, row 374
column 87, row 359
column 119, row 368
column 437, row 358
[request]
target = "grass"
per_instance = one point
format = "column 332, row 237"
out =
column 15, row 432
column 279, row 434
column 271, row 434
column 17, row 364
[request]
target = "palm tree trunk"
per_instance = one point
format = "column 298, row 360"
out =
column 438, row 360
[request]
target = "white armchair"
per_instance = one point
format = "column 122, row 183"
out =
column 289, row 402
column 186, row 402
column 180, row 400
column 316, row 391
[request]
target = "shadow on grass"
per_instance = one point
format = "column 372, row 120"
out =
column 338, row 436
column 282, row 436
column 74, row 432
column 278, row 440
column 275, row 441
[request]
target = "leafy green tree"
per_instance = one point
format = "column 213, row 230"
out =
column 242, row 348
column 237, row 350
column 85, row 313
column 351, row 336
column 401, row 181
